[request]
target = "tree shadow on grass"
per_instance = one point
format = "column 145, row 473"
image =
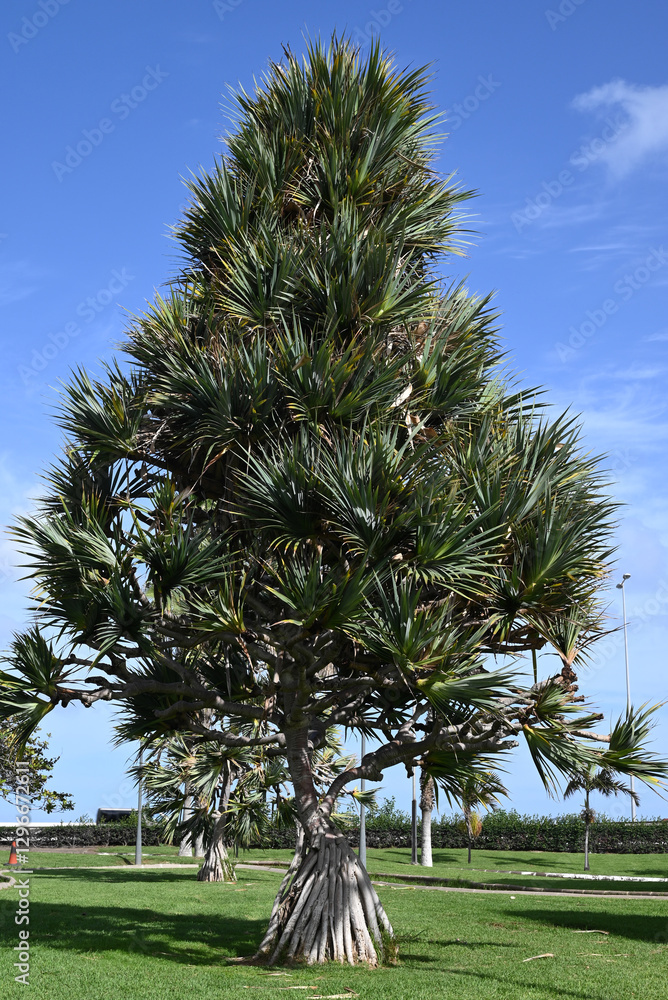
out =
column 509, row 984
column 178, row 937
column 637, row 927
column 124, row 874
column 399, row 856
column 186, row 938
column 656, row 871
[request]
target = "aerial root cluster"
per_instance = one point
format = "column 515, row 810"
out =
column 328, row 910
column 217, row 866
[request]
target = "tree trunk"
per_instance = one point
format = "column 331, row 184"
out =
column 587, row 824
column 186, row 847
column 217, row 866
column 199, row 846
column 469, row 830
column 326, row 908
column 427, row 805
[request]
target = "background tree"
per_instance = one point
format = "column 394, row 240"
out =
column 233, row 789
column 595, row 779
column 39, row 769
column 427, row 802
column 313, row 499
column 480, row 789
column 185, row 842
column 175, row 773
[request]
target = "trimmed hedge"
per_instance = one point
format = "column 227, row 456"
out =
column 509, row 831
column 501, row 831
column 80, row 835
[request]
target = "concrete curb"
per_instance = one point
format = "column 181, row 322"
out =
column 461, row 885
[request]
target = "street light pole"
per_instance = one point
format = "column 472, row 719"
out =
column 138, row 845
column 620, row 586
column 414, row 851
column 362, row 852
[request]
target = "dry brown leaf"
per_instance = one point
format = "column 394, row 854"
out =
column 548, row 954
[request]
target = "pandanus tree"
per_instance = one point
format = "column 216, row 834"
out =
column 234, row 788
column 595, row 778
column 309, row 497
column 175, row 773
column 481, row 789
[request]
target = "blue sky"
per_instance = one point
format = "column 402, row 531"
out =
column 557, row 116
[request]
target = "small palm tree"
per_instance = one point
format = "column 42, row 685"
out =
column 481, row 788
column 595, row 779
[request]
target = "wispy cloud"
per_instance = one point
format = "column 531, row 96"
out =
column 659, row 335
column 18, row 280
column 560, row 216
column 607, row 246
column 646, row 110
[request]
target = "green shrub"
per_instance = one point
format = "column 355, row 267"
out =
column 388, row 826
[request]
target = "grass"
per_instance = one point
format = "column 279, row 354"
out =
column 151, row 934
column 489, row 867
column 451, row 865
column 447, row 861
column 120, row 857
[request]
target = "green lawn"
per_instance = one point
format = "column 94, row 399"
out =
column 149, row 935
column 490, row 866
column 447, row 861
column 118, row 856
column 487, row 866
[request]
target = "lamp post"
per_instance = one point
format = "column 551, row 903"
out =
column 138, row 844
column 362, row 852
column 414, row 850
column 620, row 586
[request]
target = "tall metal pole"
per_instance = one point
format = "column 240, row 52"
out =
column 620, row 586
column 414, row 857
column 362, row 851
column 138, row 845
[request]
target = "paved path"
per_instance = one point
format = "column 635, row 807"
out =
column 581, row 894
column 123, row 868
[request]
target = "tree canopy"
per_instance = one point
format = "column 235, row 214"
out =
column 312, row 496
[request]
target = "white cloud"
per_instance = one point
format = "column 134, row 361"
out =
column 659, row 335
column 646, row 111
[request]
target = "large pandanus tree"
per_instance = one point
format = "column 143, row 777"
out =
column 309, row 498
